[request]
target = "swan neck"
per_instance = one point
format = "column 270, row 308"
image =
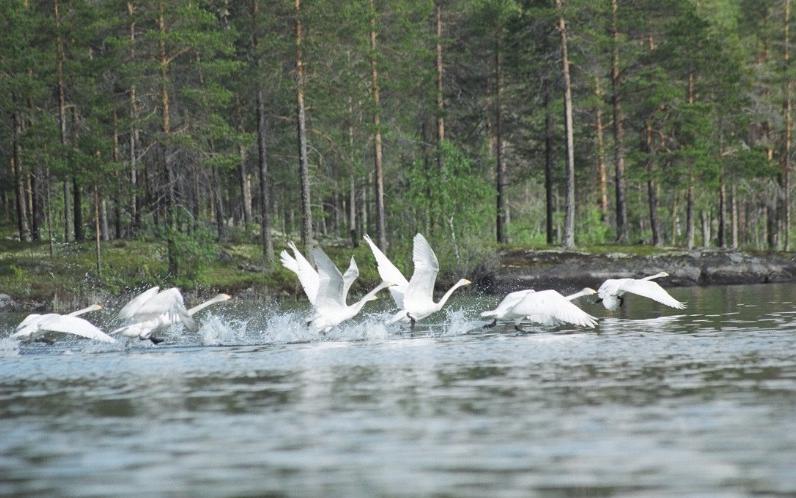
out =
column 200, row 307
column 369, row 296
column 576, row 295
column 448, row 294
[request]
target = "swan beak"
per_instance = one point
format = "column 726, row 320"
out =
column 465, row 282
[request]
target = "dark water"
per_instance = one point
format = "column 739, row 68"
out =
column 654, row 402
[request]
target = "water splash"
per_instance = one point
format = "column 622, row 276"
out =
column 9, row 346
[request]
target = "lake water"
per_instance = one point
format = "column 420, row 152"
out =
column 654, row 402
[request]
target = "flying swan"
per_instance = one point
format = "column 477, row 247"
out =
column 611, row 291
column 417, row 301
column 154, row 310
column 547, row 307
column 326, row 288
column 37, row 327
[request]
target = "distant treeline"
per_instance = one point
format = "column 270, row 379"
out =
column 474, row 121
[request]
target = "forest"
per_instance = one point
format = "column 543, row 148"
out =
column 480, row 123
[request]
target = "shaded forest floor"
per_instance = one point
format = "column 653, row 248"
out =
column 35, row 281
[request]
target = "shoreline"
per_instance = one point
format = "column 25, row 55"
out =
column 31, row 282
column 521, row 268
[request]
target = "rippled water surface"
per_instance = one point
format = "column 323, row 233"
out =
column 654, row 402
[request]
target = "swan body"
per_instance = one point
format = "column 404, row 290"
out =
column 418, row 298
column 389, row 273
column 547, row 307
column 37, row 327
column 330, row 304
column 153, row 311
column 612, row 290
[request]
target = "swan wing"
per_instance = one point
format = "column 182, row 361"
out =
column 305, row 272
column 168, row 302
column 550, row 306
column 330, row 281
column 508, row 302
column 387, row 270
column 421, row 285
column 651, row 290
column 350, row 275
column 129, row 311
column 74, row 325
column 28, row 321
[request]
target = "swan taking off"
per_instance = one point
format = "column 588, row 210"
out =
column 308, row 276
column 37, row 327
column 547, row 307
column 153, row 311
column 418, row 298
column 612, row 290
column 330, row 303
column 389, row 273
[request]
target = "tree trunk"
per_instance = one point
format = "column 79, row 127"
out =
column 62, row 112
column 734, row 215
column 381, row 229
column 135, row 199
column 784, row 177
column 569, row 205
column 548, row 162
column 262, row 154
column 77, row 206
column 439, row 68
column 675, row 217
column 306, row 211
column 619, row 132
column 352, row 185
column 722, row 235
column 500, row 170
column 652, row 189
column 19, row 180
column 166, row 129
column 689, row 200
column 602, row 175
column 705, row 228
column 97, row 244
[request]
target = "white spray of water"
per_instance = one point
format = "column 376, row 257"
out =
column 9, row 346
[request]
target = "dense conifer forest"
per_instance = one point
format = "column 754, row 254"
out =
column 480, row 123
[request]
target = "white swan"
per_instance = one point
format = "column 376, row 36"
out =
column 36, row 327
column 389, row 273
column 308, row 276
column 418, row 298
column 612, row 290
column 330, row 302
column 153, row 311
column 547, row 307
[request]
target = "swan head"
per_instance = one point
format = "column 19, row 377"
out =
column 93, row 307
column 588, row 291
column 463, row 282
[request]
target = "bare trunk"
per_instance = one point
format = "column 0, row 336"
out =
column 62, row 112
column 722, row 236
column 784, row 179
column 652, row 189
column 734, row 215
column 500, row 170
column 19, row 181
column 166, row 129
column 352, row 185
column 675, row 217
column 689, row 200
column 381, row 229
column 97, row 244
column 602, row 174
column 306, row 210
column 135, row 199
column 440, row 94
column 569, row 205
column 705, row 228
column 548, row 162
column 619, row 133
column 262, row 156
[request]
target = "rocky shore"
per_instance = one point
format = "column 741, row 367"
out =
column 569, row 269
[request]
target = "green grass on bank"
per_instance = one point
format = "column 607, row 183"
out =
column 28, row 273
